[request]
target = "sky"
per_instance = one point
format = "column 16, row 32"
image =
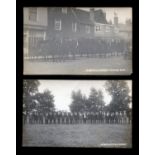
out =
column 62, row 89
column 122, row 12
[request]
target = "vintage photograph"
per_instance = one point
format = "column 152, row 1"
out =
column 77, row 41
column 77, row 113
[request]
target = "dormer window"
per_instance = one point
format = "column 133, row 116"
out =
column 74, row 27
column 107, row 29
column 64, row 10
column 98, row 28
column 58, row 25
column 87, row 29
column 33, row 14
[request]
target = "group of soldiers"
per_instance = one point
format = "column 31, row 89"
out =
column 64, row 49
column 77, row 118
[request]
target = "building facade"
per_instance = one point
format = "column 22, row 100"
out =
column 35, row 27
column 69, row 23
column 103, row 28
column 47, row 27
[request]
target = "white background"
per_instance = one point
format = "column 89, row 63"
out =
column 8, row 77
column 147, row 77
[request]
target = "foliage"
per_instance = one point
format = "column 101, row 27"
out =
column 30, row 88
column 95, row 101
column 45, row 102
column 34, row 100
column 119, row 91
column 80, row 103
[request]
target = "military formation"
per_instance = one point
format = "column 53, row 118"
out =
column 67, row 49
column 60, row 117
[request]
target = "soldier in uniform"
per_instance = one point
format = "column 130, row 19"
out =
column 112, row 117
column 46, row 118
column 40, row 118
column 74, row 117
column 24, row 117
column 116, row 117
column 129, row 115
column 84, row 117
column 67, row 118
column 97, row 117
column 62, row 117
column 120, row 117
column 104, row 117
column 71, row 118
column 50, row 117
column 80, row 117
column 107, row 117
column 100, row 117
column 124, row 117
column 92, row 117
column 36, row 117
column 33, row 117
column 58, row 117
column 54, row 117
column 87, row 117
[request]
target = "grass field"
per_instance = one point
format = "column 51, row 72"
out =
column 102, row 135
column 83, row 66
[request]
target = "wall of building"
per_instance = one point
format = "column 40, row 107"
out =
column 66, row 25
column 41, row 17
column 34, row 30
column 105, row 30
column 125, row 31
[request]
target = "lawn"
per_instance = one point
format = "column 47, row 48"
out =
column 102, row 135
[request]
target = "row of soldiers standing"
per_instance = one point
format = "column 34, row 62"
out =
column 77, row 118
column 62, row 49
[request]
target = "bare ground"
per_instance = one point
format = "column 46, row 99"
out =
column 83, row 66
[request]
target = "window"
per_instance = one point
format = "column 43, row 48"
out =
column 98, row 28
column 116, row 30
column 64, row 10
column 58, row 25
column 32, row 14
column 108, row 29
column 87, row 29
column 74, row 27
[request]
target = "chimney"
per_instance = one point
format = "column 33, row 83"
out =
column 92, row 18
column 104, row 17
column 115, row 19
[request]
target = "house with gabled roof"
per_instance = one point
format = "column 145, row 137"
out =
column 64, row 23
column 102, row 28
column 75, row 23
column 69, row 23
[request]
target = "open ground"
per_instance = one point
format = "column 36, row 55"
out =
column 84, row 66
column 78, row 135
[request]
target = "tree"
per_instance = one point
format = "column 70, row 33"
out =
column 95, row 101
column 78, row 102
column 45, row 102
column 30, row 88
column 119, row 92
